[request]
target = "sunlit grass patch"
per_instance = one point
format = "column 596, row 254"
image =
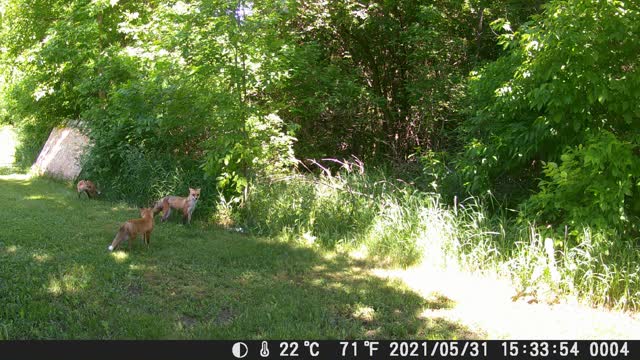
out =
column 41, row 257
column 364, row 313
column 120, row 207
column 119, row 255
column 14, row 176
column 39, row 197
column 70, row 282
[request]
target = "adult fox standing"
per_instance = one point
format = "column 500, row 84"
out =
column 88, row 187
column 186, row 204
column 131, row 229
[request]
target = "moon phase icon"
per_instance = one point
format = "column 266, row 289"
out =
column 239, row 350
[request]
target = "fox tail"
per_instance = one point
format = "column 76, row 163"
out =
column 120, row 235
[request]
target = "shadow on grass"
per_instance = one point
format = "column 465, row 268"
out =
column 58, row 281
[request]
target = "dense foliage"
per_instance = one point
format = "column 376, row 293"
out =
column 563, row 106
column 530, row 102
column 187, row 86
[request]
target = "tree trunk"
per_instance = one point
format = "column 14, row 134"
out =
column 479, row 30
column 102, row 95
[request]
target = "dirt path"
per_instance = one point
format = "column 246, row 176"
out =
column 484, row 306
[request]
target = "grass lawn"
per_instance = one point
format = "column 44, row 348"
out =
column 58, row 281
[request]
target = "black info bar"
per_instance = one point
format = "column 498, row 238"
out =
column 321, row 349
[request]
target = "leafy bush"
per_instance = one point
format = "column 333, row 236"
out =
column 566, row 94
column 259, row 147
column 594, row 185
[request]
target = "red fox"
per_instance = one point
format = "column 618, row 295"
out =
column 131, row 229
column 88, row 187
column 186, row 204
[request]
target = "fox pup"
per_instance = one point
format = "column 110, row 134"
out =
column 130, row 230
column 186, row 204
column 88, row 187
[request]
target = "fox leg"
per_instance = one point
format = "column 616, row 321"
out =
column 147, row 239
column 186, row 215
column 131, row 240
column 166, row 210
column 167, row 213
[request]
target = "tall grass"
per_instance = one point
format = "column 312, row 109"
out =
column 345, row 210
column 395, row 223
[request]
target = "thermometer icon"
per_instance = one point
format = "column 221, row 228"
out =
column 264, row 350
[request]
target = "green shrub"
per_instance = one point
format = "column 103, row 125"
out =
column 565, row 94
column 593, row 185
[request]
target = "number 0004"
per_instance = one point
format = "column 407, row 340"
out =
column 608, row 349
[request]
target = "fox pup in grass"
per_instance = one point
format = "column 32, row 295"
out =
column 186, row 204
column 88, row 187
column 131, row 229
